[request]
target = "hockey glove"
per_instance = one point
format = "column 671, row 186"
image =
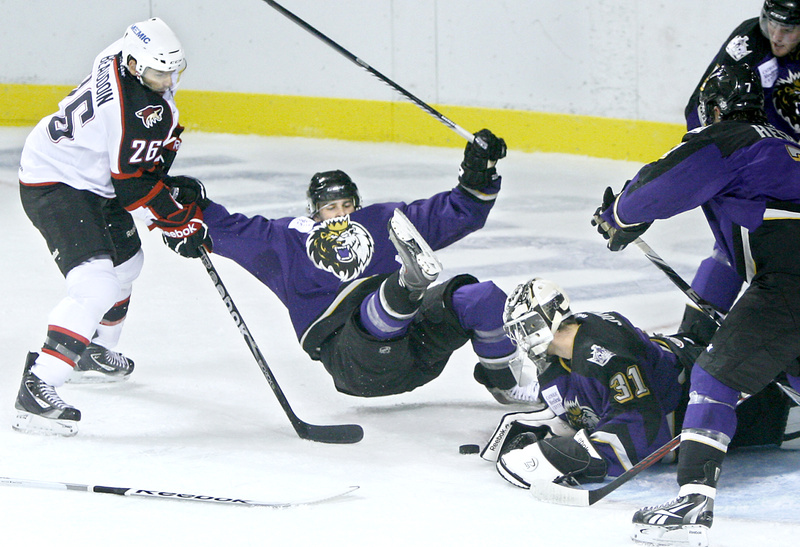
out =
column 186, row 237
column 618, row 237
column 561, row 459
column 542, row 423
column 187, row 190
column 480, row 156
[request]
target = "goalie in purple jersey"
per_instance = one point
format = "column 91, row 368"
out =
column 83, row 172
column 745, row 175
column 611, row 393
column 768, row 43
column 381, row 326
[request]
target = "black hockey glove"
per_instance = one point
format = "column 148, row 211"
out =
column 618, row 237
column 187, row 190
column 477, row 170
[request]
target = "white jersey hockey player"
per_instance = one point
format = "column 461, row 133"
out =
column 104, row 155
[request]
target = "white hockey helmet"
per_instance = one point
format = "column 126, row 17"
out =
column 155, row 48
column 533, row 313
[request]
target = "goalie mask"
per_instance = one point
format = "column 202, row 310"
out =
column 330, row 186
column 158, row 53
column 533, row 313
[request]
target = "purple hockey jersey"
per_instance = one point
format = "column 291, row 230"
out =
column 745, row 177
column 620, row 385
column 311, row 266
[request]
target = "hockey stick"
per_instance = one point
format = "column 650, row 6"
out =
column 679, row 282
column 149, row 493
column 552, row 492
column 424, row 106
column 342, row 434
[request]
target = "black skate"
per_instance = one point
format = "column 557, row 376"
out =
column 40, row 409
column 100, row 365
column 682, row 521
column 420, row 266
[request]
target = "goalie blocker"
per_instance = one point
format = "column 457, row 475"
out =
column 570, row 460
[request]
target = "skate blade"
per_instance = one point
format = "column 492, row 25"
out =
column 691, row 535
column 95, row 377
column 405, row 231
column 25, row 422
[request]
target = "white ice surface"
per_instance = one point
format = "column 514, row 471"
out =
column 198, row 416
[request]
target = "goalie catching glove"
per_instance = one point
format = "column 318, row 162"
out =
column 556, row 459
column 619, row 235
column 542, row 423
column 480, row 156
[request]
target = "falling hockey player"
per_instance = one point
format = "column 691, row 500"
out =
column 381, row 327
column 83, row 171
column 745, row 175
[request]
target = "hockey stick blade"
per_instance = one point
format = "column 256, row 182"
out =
column 150, row 493
column 552, row 492
column 405, row 93
column 334, row 434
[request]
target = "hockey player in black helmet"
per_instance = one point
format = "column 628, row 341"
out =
column 380, row 325
column 732, row 92
column 744, row 175
column 331, row 186
column 769, row 45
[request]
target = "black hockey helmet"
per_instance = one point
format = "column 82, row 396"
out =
column 330, row 186
column 731, row 88
column 785, row 12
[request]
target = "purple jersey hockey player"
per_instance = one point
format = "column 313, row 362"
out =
column 769, row 44
column 745, row 175
column 614, row 394
column 601, row 377
column 380, row 326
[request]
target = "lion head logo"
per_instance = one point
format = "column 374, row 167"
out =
column 341, row 247
column 786, row 98
column 580, row 417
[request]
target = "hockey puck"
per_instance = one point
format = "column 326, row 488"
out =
column 469, row 449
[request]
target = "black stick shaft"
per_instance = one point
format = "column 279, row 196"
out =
column 345, row 434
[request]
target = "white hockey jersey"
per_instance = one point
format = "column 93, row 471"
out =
column 109, row 136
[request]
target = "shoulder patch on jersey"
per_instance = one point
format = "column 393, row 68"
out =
column 600, row 355
column 794, row 152
column 768, row 72
column 150, row 114
column 553, row 399
column 341, row 247
column 738, row 48
column 302, row 224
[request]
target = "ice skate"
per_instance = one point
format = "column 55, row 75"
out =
column 100, row 365
column 682, row 521
column 420, row 266
column 39, row 409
